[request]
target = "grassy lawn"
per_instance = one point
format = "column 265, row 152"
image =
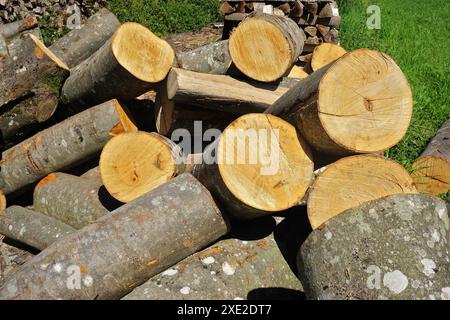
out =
column 167, row 16
column 415, row 33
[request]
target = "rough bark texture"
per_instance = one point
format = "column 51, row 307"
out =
column 124, row 249
column 392, row 248
column 70, row 199
column 233, row 268
column 212, row 58
column 10, row 30
column 79, row 44
column 31, row 227
column 219, row 92
column 62, row 146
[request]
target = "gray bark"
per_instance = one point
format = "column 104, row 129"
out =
column 231, row 269
column 93, row 175
column 393, row 248
column 212, row 58
column 31, row 227
column 57, row 148
column 10, row 30
column 70, row 199
column 124, row 249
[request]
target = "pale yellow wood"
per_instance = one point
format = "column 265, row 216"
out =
column 325, row 54
column 41, row 50
column 298, row 72
column 353, row 181
column 2, row 202
column 264, row 189
column 134, row 163
column 365, row 102
column 142, row 53
column 432, row 175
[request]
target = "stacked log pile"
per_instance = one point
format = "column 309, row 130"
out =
column 99, row 177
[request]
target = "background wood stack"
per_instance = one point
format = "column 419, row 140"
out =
column 319, row 19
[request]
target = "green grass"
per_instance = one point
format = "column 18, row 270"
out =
column 415, row 33
column 167, row 16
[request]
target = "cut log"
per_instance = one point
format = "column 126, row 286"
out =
column 219, row 92
column 10, row 30
column 431, row 171
column 369, row 112
column 2, row 201
column 32, row 228
column 298, row 72
column 14, row 44
column 80, row 44
column 4, row 53
column 229, row 270
column 353, row 181
column 93, row 175
column 129, row 64
column 213, row 58
column 134, row 163
column 226, row 8
column 32, row 70
column 325, row 54
column 70, row 199
column 258, row 166
column 59, row 147
column 391, row 248
column 173, row 116
column 124, row 249
column 265, row 47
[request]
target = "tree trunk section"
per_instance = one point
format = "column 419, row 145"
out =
column 134, row 163
column 213, row 58
column 264, row 47
column 231, row 269
column 80, row 44
column 258, row 166
column 32, row 228
column 129, row 64
column 93, row 175
column 218, row 92
column 431, row 171
column 70, row 199
column 358, row 115
column 364, row 177
column 11, row 30
column 59, row 147
column 124, row 249
column 394, row 248
column 325, row 54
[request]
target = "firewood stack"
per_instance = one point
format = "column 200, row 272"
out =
column 91, row 174
column 319, row 19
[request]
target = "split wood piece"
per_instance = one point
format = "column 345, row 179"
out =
column 312, row 9
column 130, row 63
column 298, row 9
column 134, row 163
column 325, row 54
column 265, row 47
column 217, row 92
column 431, row 172
column 60, row 147
column 125, row 248
column 352, row 181
column 367, row 113
column 31, row 227
column 310, row 31
column 2, row 201
column 70, row 199
column 10, row 30
column 285, row 7
column 392, row 248
column 173, row 116
column 258, row 166
column 332, row 36
column 34, row 69
column 213, row 58
column 298, row 72
column 80, row 44
column 323, row 30
column 226, row 8
column 230, row 269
